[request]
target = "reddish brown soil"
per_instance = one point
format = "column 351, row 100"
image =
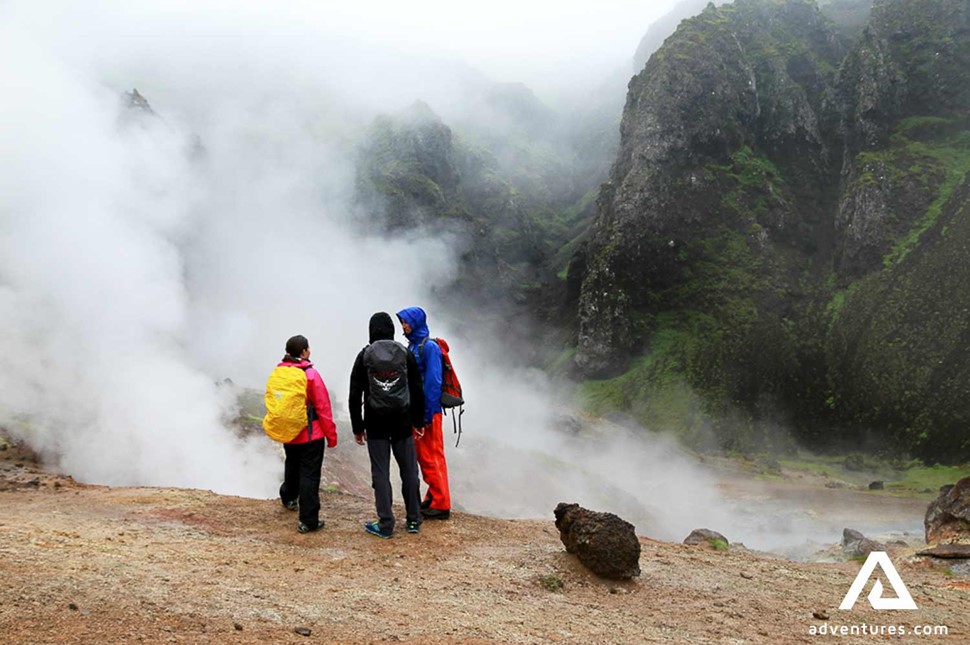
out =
column 91, row 564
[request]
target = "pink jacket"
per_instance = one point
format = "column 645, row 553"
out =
column 319, row 398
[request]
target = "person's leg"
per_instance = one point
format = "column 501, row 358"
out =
column 407, row 465
column 290, row 488
column 311, row 461
column 431, row 456
column 379, row 451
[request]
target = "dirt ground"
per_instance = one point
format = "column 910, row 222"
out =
column 92, row 564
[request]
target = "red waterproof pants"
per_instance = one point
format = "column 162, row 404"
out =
column 431, row 457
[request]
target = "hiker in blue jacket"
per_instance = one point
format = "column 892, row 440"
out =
column 428, row 440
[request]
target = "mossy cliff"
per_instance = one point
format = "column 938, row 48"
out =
column 409, row 164
column 779, row 240
column 414, row 171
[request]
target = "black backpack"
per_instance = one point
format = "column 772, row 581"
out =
column 386, row 362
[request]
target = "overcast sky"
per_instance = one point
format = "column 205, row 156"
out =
column 508, row 39
column 550, row 46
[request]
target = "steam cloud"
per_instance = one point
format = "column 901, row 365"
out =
column 136, row 273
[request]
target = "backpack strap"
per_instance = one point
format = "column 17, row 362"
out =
column 421, row 350
column 311, row 414
column 456, row 423
column 455, row 417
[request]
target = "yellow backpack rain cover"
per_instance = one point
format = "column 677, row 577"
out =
column 286, row 404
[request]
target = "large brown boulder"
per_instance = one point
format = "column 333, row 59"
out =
column 948, row 516
column 604, row 543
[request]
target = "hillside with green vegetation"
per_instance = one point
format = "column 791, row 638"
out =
column 781, row 243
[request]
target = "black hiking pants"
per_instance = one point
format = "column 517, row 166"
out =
column 301, row 478
column 380, row 451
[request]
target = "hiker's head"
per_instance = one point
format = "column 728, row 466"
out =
column 414, row 322
column 298, row 347
column 381, row 327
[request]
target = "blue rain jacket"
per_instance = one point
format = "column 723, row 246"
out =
column 428, row 354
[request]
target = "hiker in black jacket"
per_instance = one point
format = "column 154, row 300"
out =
column 385, row 385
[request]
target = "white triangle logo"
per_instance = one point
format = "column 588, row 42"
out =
column 902, row 600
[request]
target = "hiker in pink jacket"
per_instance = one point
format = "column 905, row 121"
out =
column 304, row 455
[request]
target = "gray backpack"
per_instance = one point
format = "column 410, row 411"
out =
column 386, row 362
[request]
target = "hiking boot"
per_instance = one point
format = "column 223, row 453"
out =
column 426, row 502
column 375, row 529
column 290, row 505
column 414, row 527
column 435, row 514
column 306, row 528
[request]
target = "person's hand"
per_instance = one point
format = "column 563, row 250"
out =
column 332, row 441
column 418, row 432
column 361, row 438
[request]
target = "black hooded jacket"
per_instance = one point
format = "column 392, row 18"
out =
column 382, row 426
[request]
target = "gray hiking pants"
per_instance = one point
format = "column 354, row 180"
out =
column 380, row 469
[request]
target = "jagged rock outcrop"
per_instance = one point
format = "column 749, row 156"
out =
column 947, row 518
column 136, row 112
column 877, row 207
column 134, row 100
column 910, row 61
column 869, row 93
column 780, row 233
column 895, row 91
column 907, row 64
column 410, row 162
column 604, row 543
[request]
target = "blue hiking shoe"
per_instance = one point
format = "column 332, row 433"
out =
column 414, row 527
column 375, row 529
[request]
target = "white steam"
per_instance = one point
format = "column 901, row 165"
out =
column 137, row 271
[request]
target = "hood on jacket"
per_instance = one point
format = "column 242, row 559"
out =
column 418, row 320
column 297, row 362
column 381, row 327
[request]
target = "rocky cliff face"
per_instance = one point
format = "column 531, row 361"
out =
column 897, row 346
column 720, row 136
column 409, row 168
column 776, row 188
